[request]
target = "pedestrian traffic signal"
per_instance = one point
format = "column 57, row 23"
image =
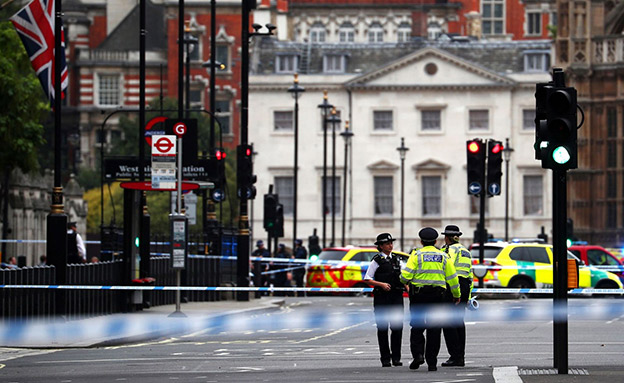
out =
column 218, row 192
column 475, row 165
column 494, row 167
column 245, row 177
column 279, row 221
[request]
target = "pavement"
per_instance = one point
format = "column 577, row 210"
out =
column 152, row 323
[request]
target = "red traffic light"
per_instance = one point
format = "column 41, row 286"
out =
column 220, row 155
column 497, row 148
column 248, row 151
column 474, row 147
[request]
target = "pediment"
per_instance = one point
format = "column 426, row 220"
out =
column 430, row 165
column 383, row 166
column 430, row 68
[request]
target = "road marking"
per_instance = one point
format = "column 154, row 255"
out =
column 506, row 375
column 330, row 333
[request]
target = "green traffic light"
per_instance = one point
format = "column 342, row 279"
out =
column 568, row 242
column 136, row 241
column 561, row 155
column 313, row 257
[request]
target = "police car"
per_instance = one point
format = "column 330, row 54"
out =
column 504, row 258
column 343, row 267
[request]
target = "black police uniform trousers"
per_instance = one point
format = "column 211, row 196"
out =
column 455, row 336
column 421, row 300
column 388, row 307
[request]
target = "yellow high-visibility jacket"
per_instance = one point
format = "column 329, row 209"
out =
column 430, row 267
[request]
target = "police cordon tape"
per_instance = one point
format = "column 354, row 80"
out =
column 59, row 333
column 299, row 289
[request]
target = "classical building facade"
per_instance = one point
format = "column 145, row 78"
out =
column 435, row 96
column 590, row 48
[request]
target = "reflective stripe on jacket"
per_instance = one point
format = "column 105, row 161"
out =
column 429, row 267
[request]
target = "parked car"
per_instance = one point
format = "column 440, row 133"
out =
column 347, row 269
column 593, row 255
column 524, row 254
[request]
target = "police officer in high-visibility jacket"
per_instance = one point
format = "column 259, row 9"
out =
column 383, row 273
column 455, row 335
column 427, row 273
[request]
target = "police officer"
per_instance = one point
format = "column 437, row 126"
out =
column 427, row 273
column 383, row 273
column 455, row 336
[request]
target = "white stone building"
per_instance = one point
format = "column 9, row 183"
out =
column 437, row 95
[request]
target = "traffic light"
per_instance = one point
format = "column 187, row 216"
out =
column 570, row 232
column 218, row 193
column 560, row 131
column 245, row 177
column 540, row 118
column 270, row 212
column 313, row 246
column 494, row 167
column 475, row 153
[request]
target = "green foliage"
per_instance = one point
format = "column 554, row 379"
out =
column 22, row 105
column 89, row 178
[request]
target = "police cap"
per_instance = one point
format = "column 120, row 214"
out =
column 428, row 234
column 383, row 238
column 452, row 230
column 259, row 243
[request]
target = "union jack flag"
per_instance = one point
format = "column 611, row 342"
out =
column 35, row 26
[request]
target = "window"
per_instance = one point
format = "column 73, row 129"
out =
column 530, row 254
column 611, row 214
column 283, row 121
column 528, row 119
column 611, row 185
column 493, row 14
column 375, row 33
column 611, row 154
column 533, row 195
column 434, row 30
column 536, row 62
column 317, row 33
column 286, row 63
column 334, row 63
column 600, row 258
column 479, row 119
column 382, row 120
column 336, row 195
column 195, row 97
column 430, row 120
column 534, row 23
column 611, row 123
column 193, row 48
column 364, row 256
column 224, row 114
column 431, row 195
column 404, row 32
column 346, row 33
column 109, row 90
column 383, row 195
column 284, row 187
column 223, row 56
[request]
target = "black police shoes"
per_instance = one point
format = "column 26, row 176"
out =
column 454, row 363
column 397, row 363
column 416, row 362
column 386, row 364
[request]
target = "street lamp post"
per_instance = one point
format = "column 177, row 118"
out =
column 295, row 90
column 334, row 119
column 347, row 134
column 325, row 106
column 402, row 153
column 507, row 150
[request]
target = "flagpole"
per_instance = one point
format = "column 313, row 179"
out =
column 56, row 233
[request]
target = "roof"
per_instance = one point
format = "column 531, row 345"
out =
column 125, row 37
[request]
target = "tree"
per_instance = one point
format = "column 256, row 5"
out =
column 22, row 108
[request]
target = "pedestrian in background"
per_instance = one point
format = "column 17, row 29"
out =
column 260, row 279
column 282, row 277
column 427, row 272
column 298, row 273
column 76, row 251
column 383, row 273
column 455, row 335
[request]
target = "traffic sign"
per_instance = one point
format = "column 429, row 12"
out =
column 218, row 195
column 147, row 186
column 164, row 146
column 148, row 128
column 474, row 188
column 179, row 128
column 494, row 189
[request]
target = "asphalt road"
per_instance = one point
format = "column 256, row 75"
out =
column 336, row 350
